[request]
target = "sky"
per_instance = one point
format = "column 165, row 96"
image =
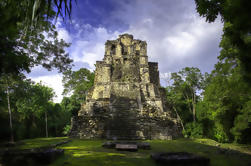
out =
column 176, row 35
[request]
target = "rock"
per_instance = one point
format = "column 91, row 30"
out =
column 140, row 145
column 109, row 145
column 180, row 158
column 66, row 163
column 31, row 156
column 144, row 145
column 218, row 145
column 228, row 151
column 10, row 144
column 127, row 147
column 48, row 155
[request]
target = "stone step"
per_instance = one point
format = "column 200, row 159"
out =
column 123, row 108
column 125, row 105
column 124, row 128
column 121, row 105
column 126, row 147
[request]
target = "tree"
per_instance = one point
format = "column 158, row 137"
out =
column 77, row 83
column 226, row 99
column 188, row 82
column 9, row 110
column 183, row 96
column 60, row 118
column 237, row 26
column 174, row 103
column 225, row 106
column 9, row 84
column 31, row 104
column 28, row 38
column 63, row 8
column 35, row 103
column 71, row 104
column 22, row 46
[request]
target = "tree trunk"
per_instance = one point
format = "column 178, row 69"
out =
column 10, row 116
column 194, row 109
column 190, row 107
column 29, row 120
column 46, row 125
column 179, row 118
column 56, row 130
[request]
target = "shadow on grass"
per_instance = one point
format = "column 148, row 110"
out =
column 91, row 153
column 40, row 142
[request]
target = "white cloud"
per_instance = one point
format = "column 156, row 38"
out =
column 181, row 43
column 165, row 79
column 54, row 82
column 64, row 34
column 90, row 47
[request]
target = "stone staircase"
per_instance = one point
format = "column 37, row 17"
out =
column 123, row 123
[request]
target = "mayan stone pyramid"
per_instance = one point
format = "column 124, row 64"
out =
column 126, row 101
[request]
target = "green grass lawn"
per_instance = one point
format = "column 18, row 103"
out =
column 90, row 152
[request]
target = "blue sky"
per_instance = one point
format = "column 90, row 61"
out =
column 176, row 36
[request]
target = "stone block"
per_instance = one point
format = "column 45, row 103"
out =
column 180, row 158
column 126, row 147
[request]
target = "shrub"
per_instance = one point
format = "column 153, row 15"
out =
column 67, row 129
column 193, row 130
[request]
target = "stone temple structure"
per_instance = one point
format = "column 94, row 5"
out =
column 126, row 101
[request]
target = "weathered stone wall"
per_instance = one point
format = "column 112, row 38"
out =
column 126, row 101
column 154, row 73
column 124, row 125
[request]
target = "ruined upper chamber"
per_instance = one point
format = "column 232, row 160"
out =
column 125, row 73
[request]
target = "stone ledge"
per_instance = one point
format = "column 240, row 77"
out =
column 126, row 147
column 140, row 145
column 31, row 156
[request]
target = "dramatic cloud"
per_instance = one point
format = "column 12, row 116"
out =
column 89, row 47
column 177, row 37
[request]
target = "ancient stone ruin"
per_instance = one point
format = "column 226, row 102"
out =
column 126, row 101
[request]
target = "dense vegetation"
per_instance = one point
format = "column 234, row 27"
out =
column 214, row 105
column 28, row 38
column 33, row 113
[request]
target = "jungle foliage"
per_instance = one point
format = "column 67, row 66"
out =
column 33, row 113
column 235, row 14
column 222, row 99
column 28, row 38
column 76, row 84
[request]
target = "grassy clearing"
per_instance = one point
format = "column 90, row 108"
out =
column 40, row 142
column 91, row 153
